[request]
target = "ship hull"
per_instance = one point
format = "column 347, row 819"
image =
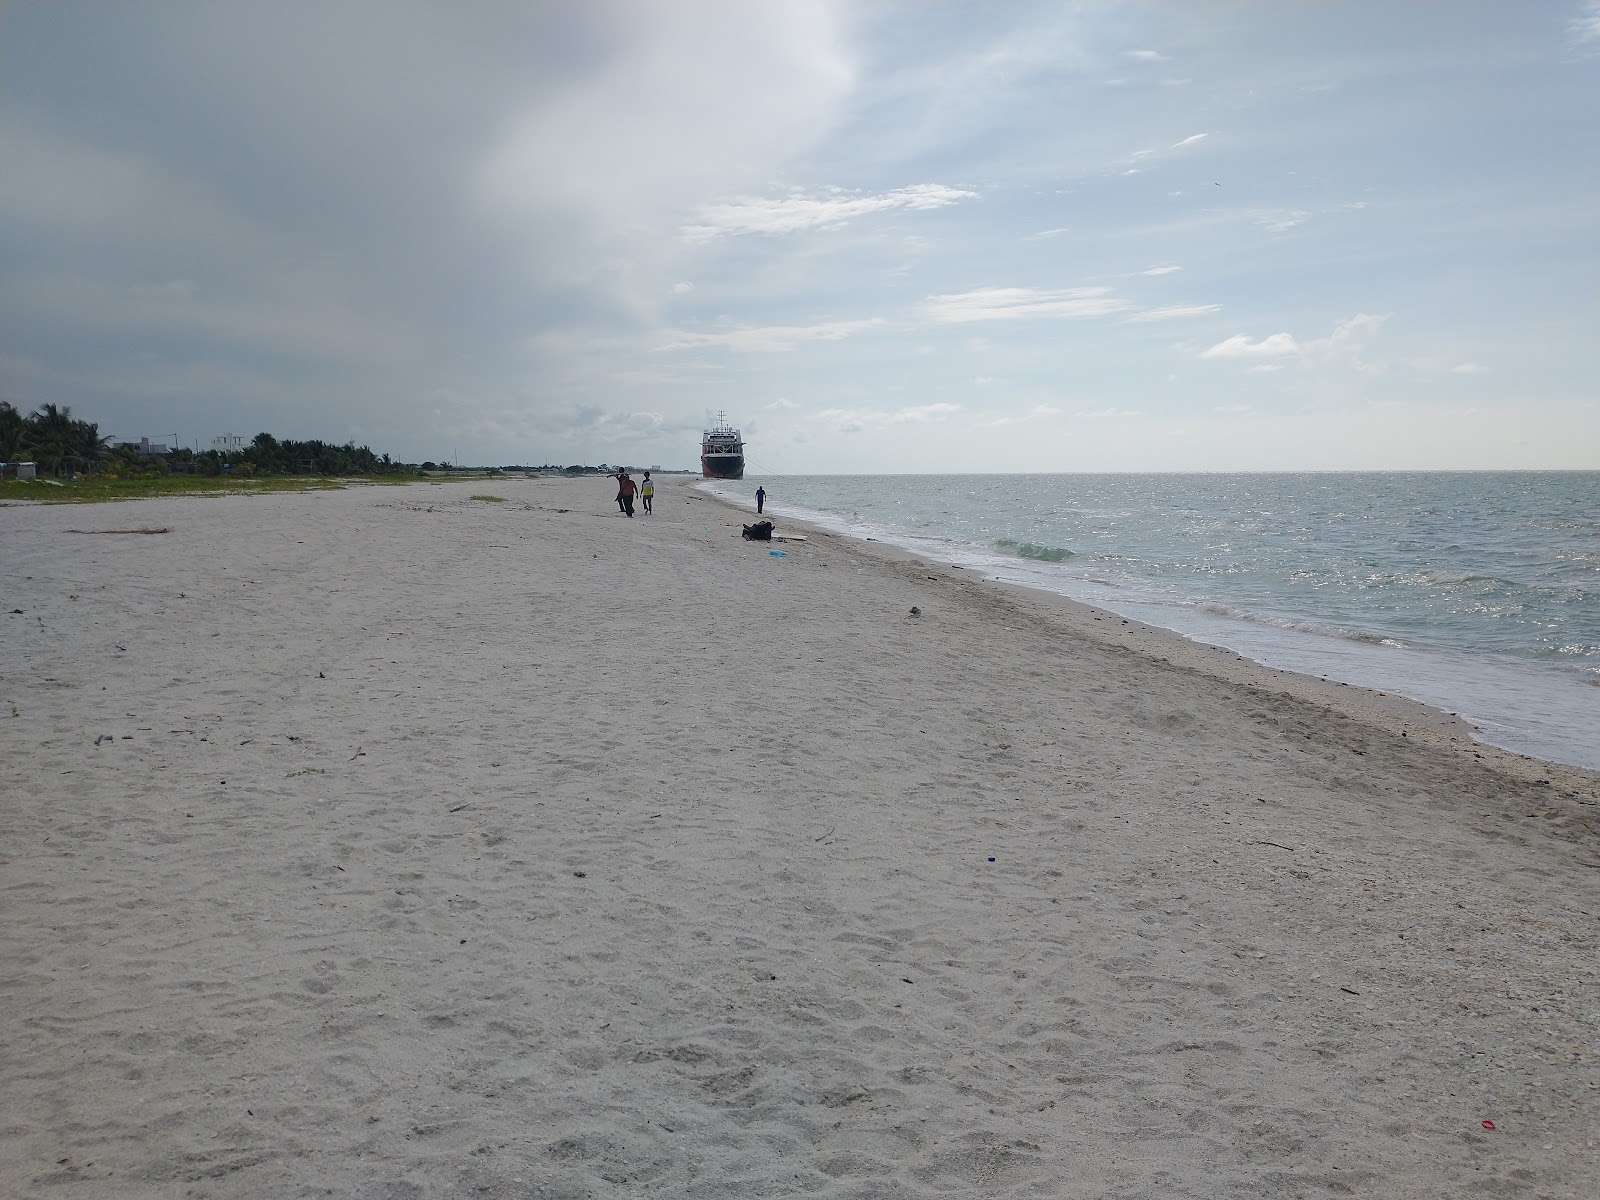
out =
column 722, row 466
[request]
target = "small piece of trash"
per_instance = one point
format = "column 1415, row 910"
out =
column 778, row 553
column 1487, row 1124
column 915, row 611
column 991, row 858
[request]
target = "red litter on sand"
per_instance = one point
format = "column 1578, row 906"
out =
column 1488, row 1124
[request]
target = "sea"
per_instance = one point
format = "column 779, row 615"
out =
column 1477, row 592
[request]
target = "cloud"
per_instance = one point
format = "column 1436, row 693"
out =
column 1191, row 140
column 1147, row 55
column 1231, row 408
column 1108, row 414
column 1282, row 221
column 682, row 289
column 766, row 338
column 798, row 211
column 783, row 402
column 858, row 420
column 1160, row 270
column 1240, row 346
column 1173, row 311
column 1344, row 344
column 1585, row 27
column 1009, row 304
column 1467, row 368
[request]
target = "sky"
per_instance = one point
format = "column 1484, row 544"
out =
column 882, row 237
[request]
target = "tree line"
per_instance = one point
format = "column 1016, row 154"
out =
column 59, row 443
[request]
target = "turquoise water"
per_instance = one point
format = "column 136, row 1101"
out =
column 1478, row 592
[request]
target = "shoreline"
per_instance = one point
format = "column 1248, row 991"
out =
column 401, row 844
column 1202, row 655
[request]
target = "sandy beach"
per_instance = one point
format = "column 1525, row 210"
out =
column 390, row 843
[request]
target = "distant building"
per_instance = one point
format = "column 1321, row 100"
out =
column 229, row 443
column 147, row 448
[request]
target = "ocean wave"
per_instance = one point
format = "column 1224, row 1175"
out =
column 1034, row 551
column 1320, row 628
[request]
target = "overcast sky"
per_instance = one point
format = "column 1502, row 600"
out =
column 883, row 237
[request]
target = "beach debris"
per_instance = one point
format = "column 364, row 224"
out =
column 1487, row 1124
column 1351, row 991
column 915, row 611
column 360, row 753
column 104, row 737
column 320, row 675
column 991, row 858
column 580, row 874
column 1279, row 845
column 777, row 553
column 459, row 807
column 163, row 529
column 826, row 833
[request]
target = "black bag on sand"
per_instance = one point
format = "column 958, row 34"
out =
column 761, row 531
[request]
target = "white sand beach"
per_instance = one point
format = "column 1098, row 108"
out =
column 388, row 843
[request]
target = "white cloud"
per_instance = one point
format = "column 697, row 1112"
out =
column 856, row 420
column 1467, row 368
column 1281, row 221
column 1050, row 233
column 1147, row 55
column 1240, row 346
column 797, row 211
column 1344, row 344
column 682, row 289
column 1003, row 304
column 1161, row 270
column 1108, row 414
column 765, row 338
column 783, row 402
column 1265, row 368
column 1585, row 27
column 1191, row 140
column 1044, row 410
column 1172, row 311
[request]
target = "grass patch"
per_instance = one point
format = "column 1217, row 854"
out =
column 490, row 499
column 91, row 489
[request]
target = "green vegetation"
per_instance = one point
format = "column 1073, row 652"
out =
column 490, row 499
column 89, row 489
column 76, row 464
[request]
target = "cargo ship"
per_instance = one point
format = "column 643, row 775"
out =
column 722, row 451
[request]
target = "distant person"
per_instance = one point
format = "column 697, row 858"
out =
column 647, row 492
column 761, row 499
column 626, row 490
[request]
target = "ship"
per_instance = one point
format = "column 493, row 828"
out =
column 722, row 451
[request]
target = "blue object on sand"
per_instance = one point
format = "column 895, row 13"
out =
column 777, row 553
column 991, row 860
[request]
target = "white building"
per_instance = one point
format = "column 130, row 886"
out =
column 229, row 443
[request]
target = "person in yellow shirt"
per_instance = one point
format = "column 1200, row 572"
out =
column 647, row 492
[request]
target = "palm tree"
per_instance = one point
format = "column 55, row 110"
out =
column 12, row 427
column 48, row 433
column 87, row 444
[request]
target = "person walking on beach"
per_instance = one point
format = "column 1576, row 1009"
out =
column 647, row 492
column 761, row 499
column 625, row 492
